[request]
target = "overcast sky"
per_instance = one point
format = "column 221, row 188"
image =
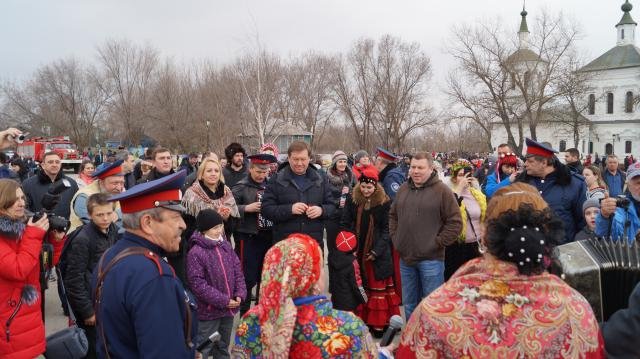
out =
column 34, row 33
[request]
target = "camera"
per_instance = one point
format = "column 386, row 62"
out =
column 49, row 202
column 622, row 201
column 18, row 139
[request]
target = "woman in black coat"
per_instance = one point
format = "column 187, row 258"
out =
column 367, row 215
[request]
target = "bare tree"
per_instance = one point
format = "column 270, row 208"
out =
column 62, row 98
column 128, row 70
column 516, row 82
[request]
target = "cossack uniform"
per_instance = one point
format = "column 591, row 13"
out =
column 142, row 309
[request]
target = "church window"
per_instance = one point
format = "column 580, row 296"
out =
column 627, row 147
column 563, row 145
column 622, row 34
column 609, row 102
column 592, row 104
column 590, row 147
column 628, row 102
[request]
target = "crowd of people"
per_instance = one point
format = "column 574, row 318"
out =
column 153, row 258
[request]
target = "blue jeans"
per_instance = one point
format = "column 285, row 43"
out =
column 418, row 281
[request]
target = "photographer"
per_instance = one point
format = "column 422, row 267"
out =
column 618, row 216
column 20, row 299
column 8, row 137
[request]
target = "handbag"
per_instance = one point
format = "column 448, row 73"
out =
column 68, row 343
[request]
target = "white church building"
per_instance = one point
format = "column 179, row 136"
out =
column 612, row 117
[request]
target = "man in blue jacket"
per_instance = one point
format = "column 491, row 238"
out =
column 142, row 309
column 619, row 218
column 565, row 192
column 391, row 176
column 298, row 198
column 613, row 176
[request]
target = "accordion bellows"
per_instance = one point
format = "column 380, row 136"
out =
column 605, row 272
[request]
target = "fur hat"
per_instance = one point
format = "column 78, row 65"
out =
column 207, row 219
column 232, row 149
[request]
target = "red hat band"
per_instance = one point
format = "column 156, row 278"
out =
column 538, row 151
column 116, row 171
column 148, row 201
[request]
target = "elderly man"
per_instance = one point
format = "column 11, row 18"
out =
column 391, row 176
column 423, row 220
column 618, row 216
column 142, row 310
column 162, row 165
column 109, row 179
column 253, row 235
column 564, row 191
column 298, row 198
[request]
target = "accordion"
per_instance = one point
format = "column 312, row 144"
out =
column 603, row 271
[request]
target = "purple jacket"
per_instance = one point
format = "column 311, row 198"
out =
column 214, row 276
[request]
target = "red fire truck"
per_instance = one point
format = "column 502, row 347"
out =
column 36, row 147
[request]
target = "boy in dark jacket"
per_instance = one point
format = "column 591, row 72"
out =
column 216, row 280
column 590, row 208
column 84, row 253
column 347, row 291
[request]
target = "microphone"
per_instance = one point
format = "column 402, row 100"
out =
column 214, row 337
column 395, row 325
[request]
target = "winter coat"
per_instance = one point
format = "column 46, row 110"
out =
column 575, row 167
column 20, row 246
column 142, row 310
column 392, row 177
column 336, row 184
column 615, row 183
column 246, row 192
column 565, row 193
column 35, row 187
column 493, row 185
column 231, row 176
column 424, row 220
column 83, row 255
column 381, row 242
column 585, row 233
column 153, row 175
column 282, row 192
column 215, row 276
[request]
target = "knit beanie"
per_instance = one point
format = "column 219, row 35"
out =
column 337, row 156
column 591, row 202
column 207, row 219
column 359, row 155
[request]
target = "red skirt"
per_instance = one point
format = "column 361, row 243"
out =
column 383, row 302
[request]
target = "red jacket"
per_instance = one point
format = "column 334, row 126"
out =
column 20, row 266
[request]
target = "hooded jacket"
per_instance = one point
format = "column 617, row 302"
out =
column 424, row 220
column 215, row 276
column 23, row 335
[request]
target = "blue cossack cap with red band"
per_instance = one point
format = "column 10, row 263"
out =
column 538, row 149
column 113, row 169
column 381, row 152
column 163, row 192
column 263, row 159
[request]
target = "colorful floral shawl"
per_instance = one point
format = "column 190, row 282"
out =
column 196, row 199
column 488, row 310
column 279, row 327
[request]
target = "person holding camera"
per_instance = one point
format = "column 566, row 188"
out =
column 20, row 249
column 10, row 137
column 618, row 216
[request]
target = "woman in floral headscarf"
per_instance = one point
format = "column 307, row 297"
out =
column 473, row 205
column 292, row 319
column 505, row 304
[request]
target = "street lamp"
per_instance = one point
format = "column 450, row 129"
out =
column 208, row 144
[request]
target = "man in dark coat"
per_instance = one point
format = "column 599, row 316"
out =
column 391, row 176
column 564, row 191
column 142, row 308
column 253, row 235
column 162, row 165
column 37, row 186
column 298, row 199
column 83, row 254
column 572, row 160
column 236, row 168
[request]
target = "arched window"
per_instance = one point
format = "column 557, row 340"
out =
column 627, row 147
column 622, row 34
column 628, row 102
column 608, row 149
column 563, row 145
column 609, row 102
column 590, row 147
column 592, row 104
